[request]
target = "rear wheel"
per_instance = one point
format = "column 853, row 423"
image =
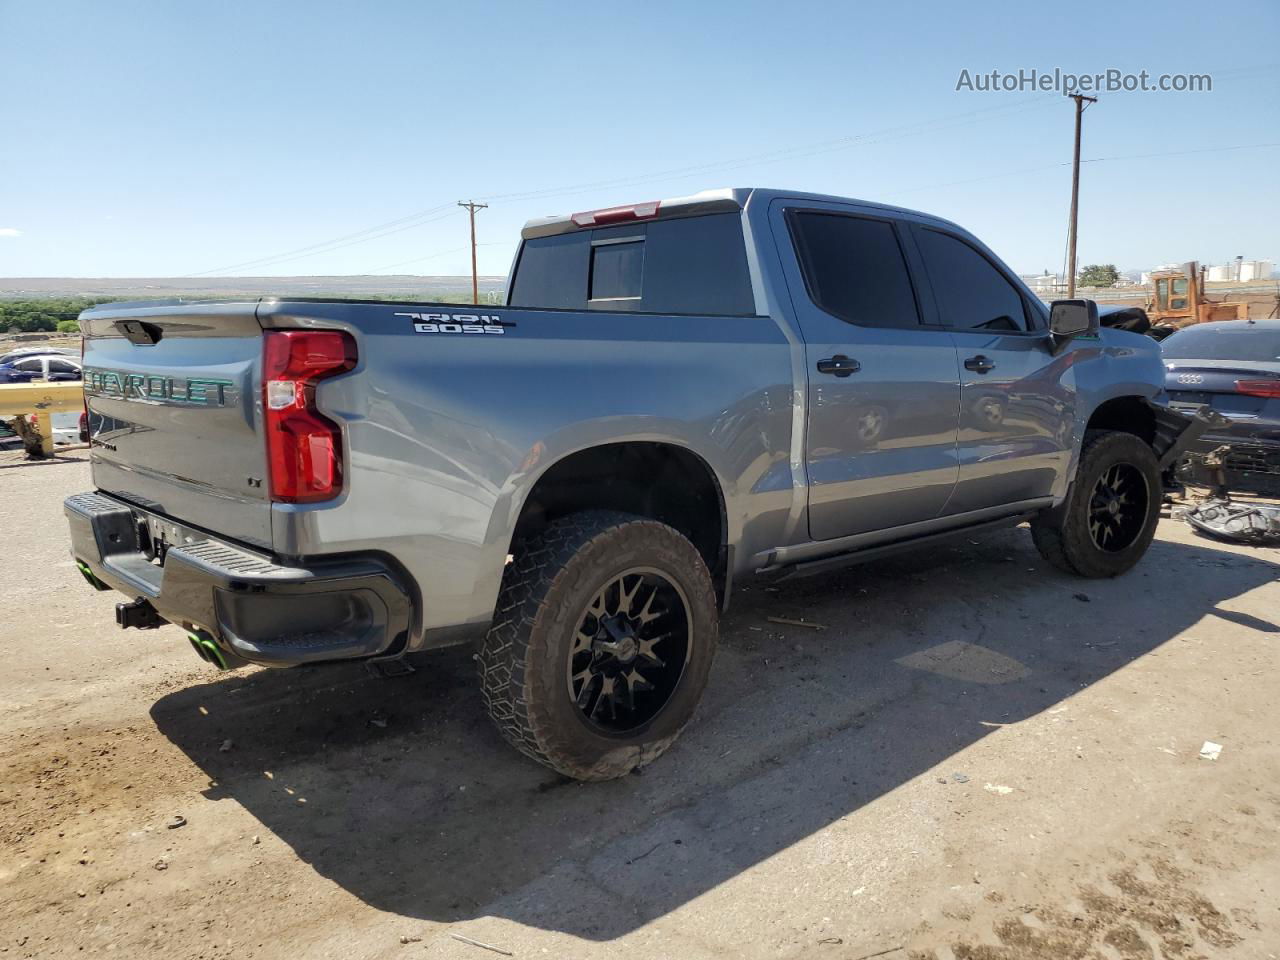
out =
column 602, row 643
column 1109, row 517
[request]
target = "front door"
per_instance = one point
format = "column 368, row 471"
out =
column 1017, row 406
column 883, row 390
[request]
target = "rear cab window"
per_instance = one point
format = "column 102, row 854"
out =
column 617, row 272
column 682, row 265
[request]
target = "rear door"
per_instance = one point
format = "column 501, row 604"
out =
column 175, row 414
column 883, row 389
column 1017, row 406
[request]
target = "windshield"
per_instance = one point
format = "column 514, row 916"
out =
column 1211, row 341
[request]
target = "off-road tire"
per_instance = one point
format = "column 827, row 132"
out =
column 1062, row 535
column 524, row 657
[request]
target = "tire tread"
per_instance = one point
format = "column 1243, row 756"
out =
column 1054, row 532
column 539, row 565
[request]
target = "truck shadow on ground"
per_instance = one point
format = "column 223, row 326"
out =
column 400, row 791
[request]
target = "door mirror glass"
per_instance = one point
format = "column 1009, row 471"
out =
column 1073, row 318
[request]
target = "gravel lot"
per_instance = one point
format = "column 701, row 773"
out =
column 976, row 758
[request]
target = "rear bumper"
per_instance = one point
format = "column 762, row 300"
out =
column 252, row 608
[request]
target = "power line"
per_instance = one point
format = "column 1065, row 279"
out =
column 1182, row 153
column 378, row 231
column 425, row 217
column 429, row 256
column 1066, row 163
column 360, row 236
column 1004, row 175
column 789, row 153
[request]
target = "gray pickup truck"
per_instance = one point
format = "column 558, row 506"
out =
column 675, row 395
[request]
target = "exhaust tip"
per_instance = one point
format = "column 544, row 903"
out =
column 209, row 652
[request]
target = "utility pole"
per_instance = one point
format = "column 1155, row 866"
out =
column 1080, row 100
column 475, row 278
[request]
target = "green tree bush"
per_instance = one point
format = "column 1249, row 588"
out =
column 45, row 313
column 1099, row 275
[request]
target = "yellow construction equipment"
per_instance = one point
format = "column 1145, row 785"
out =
column 1178, row 300
column 41, row 398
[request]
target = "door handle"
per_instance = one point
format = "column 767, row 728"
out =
column 980, row 364
column 839, row 365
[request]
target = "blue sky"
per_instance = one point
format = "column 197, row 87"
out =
column 163, row 138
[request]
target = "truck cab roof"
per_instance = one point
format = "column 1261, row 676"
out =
column 705, row 201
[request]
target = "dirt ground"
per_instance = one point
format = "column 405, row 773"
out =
column 977, row 759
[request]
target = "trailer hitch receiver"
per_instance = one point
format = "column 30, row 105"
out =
column 138, row 613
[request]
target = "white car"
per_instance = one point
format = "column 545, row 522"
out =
column 19, row 352
column 49, row 366
column 56, row 367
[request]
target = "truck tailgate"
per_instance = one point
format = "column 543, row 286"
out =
column 174, row 400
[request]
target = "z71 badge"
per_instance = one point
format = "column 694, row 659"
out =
column 457, row 322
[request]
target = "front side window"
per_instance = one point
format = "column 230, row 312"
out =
column 854, row 269
column 971, row 293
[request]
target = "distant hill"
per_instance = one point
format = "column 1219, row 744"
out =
column 404, row 287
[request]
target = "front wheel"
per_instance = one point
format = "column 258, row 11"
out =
column 1109, row 517
column 601, row 645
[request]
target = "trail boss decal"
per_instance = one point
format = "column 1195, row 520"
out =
column 458, row 322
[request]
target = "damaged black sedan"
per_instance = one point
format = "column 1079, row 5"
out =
column 1233, row 367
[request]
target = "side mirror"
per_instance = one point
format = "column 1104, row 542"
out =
column 1072, row 318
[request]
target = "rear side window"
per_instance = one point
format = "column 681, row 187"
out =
column 552, row 272
column 854, row 269
column 971, row 293
column 690, row 265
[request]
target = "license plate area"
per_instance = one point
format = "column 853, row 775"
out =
column 154, row 535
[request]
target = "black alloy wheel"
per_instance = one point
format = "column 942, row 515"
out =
column 1118, row 507
column 630, row 650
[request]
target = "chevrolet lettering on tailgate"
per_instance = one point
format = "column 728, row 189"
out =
column 151, row 388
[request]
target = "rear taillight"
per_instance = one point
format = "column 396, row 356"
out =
column 1259, row 388
column 84, row 401
column 304, row 448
